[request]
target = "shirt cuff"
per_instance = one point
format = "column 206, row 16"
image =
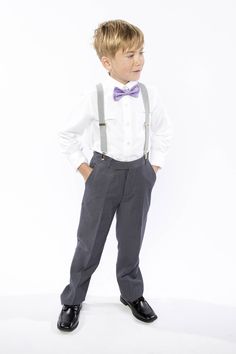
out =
column 157, row 158
column 76, row 159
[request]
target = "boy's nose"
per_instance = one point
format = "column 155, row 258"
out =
column 138, row 66
column 138, row 62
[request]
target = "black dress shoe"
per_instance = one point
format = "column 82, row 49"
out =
column 69, row 317
column 140, row 309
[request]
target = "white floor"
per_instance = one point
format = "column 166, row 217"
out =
column 28, row 325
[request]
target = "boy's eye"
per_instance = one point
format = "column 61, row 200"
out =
column 131, row 55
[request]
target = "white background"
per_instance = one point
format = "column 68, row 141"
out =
column 47, row 59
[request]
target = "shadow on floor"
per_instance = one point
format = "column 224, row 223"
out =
column 175, row 315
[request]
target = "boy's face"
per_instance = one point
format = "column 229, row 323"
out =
column 126, row 65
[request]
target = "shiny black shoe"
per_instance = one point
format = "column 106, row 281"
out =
column 140, row 309
column 69, row 317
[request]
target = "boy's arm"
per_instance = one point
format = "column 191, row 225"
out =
column 161, row 133
column 70, row 134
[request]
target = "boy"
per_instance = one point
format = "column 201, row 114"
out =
column 119, row 177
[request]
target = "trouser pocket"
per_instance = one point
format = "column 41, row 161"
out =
column 93, row 164
column 153, row 173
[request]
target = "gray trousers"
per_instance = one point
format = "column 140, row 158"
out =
column 124, row 188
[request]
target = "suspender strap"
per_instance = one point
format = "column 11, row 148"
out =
column 102, row 124
column 147, row 114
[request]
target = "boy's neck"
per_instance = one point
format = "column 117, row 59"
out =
column 122, row 82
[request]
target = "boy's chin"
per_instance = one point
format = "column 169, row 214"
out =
column 136, row 76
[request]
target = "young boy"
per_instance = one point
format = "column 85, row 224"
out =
column 124, row 119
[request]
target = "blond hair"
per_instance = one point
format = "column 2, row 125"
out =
column 110, row 36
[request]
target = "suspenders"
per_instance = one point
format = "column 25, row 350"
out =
column 102, row 124
column 147, row 114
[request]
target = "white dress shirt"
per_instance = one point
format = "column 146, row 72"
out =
column 125, row 128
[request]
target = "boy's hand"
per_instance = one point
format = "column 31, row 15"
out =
column 85, row 170
column 156, row 168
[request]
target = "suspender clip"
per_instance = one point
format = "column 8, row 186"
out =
column 146, row 156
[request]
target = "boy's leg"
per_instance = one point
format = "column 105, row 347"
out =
column 97, row 212
column 131, row 220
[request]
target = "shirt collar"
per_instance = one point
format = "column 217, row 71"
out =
column 110, row 82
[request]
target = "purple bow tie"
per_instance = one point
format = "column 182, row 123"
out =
column 118, row 93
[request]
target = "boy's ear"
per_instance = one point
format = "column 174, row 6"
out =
column 106, row 62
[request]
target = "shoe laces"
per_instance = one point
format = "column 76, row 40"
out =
column 141, row 298
column 73, row 307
